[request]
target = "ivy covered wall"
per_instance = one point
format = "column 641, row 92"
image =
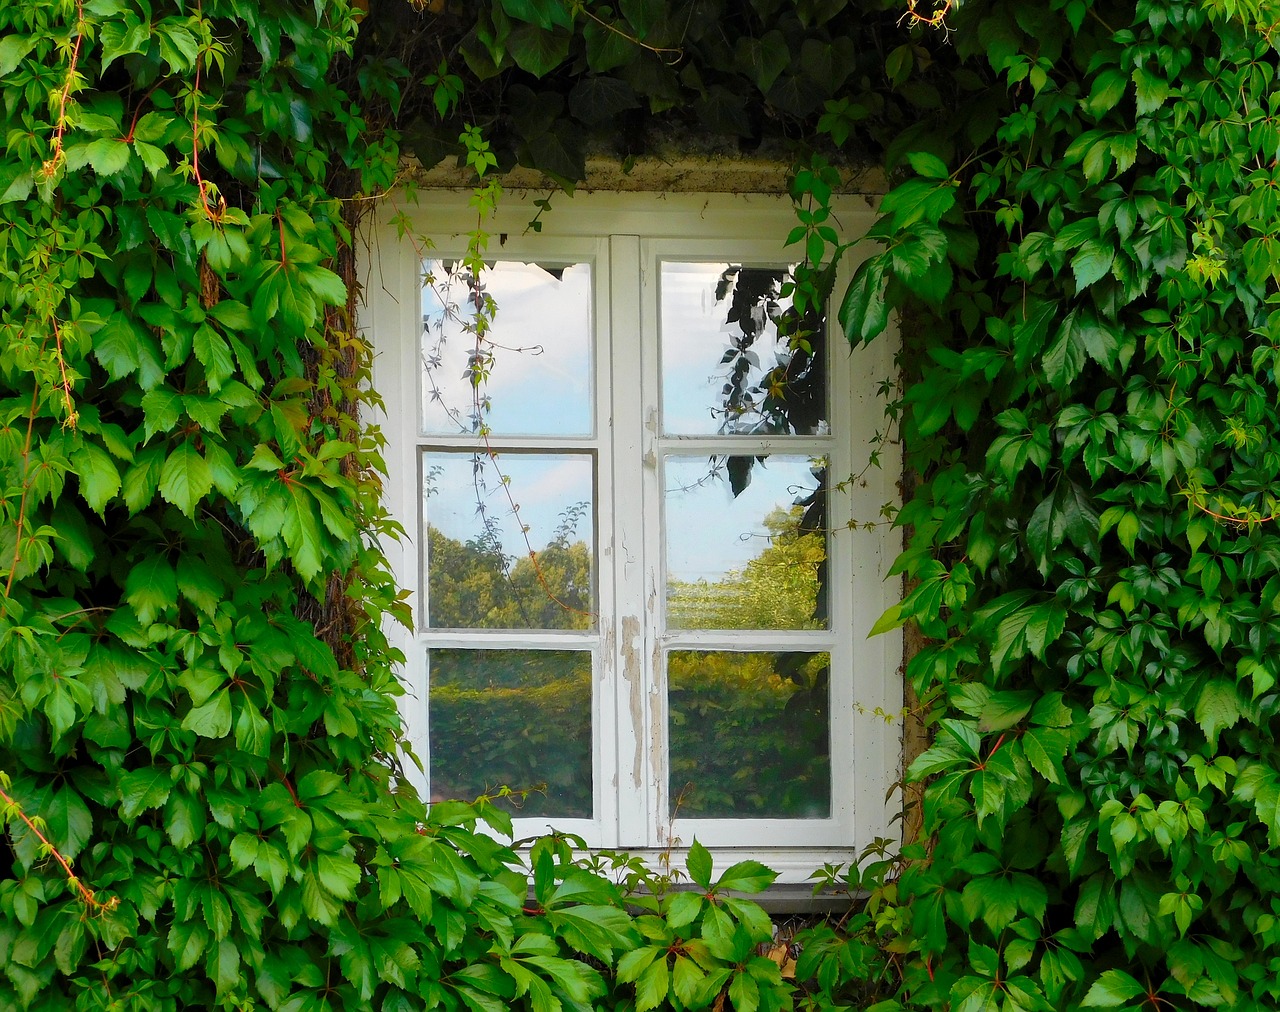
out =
column 198, row 735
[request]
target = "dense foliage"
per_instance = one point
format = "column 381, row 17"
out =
column 198, row 735
column 1088, row 245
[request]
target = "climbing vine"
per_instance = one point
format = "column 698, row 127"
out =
column 198, row 730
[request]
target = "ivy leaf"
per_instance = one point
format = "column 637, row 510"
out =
column 537, row 50
column 607, row 50
column 185, row 478
column 699, row 865
column 596, row 100
column 864, row 313
column 212, row 718
column 544, row 13
column 99, row 478
column 1217, row 708
column 143, row 790
column 1111, row 989
column 151, row 588
column 762, row 59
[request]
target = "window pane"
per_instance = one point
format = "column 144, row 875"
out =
column 536, row 356
column 724, row 367
column 749, row 735
column 512, row 718
column 480, row 573
column 746, row 544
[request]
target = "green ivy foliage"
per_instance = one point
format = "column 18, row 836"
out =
column 200, row 779
column 198, row 733
column 1086, row 254
column 198, row 728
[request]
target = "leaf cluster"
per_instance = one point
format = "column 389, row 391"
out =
column 1083, row 255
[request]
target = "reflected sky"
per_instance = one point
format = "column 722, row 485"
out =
column 541, row 340
column 709, row 531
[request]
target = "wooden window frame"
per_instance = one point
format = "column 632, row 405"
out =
column 625, row 235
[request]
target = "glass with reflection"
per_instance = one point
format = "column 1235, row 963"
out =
column 746, row 543
column 728, row 367
column 535, row 361
column 749, row 734
column 519, row 719
column 510, row 543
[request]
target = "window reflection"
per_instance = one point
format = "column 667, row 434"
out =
column 480, row 570
column 726, row 367
column 533, row 363
column 746, row 544
column 512, row 718
column 749, row 734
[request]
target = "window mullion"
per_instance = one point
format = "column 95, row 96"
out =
column 629, row 627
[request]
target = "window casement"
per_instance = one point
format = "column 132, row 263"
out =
column 638, row 553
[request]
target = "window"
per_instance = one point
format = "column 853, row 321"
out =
column 653, row 601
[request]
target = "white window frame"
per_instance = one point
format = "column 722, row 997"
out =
column 623, row 234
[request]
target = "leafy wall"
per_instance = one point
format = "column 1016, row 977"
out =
column 197, row 723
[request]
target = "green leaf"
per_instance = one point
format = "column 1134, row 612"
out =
column 68, row 823
column 213, row 352
column 651, row 988
column 13, row 50
column 864, row 313
column 212, row 718
column 1066, row 514
column 108, row 155
column 161, row 409
column 746, row 877
column 634, row 962
column 699, row 865
column 537, row 50
column 684, row 909
column 142, row 790
column 1045, row 748
column 151, row 588
column 143, row 479
column 325, row 283
column 1093, row 261
column 99, row 478
column 1113, row 988
column 1107, row 90
column 115, row 346
column 185, row 478
column 1218, row 708
column 928, row 165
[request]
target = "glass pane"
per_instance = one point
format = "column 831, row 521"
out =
column 536, row 358
column 749, row 735
column 746, row 542
column 512, row 718
column 510, row 542
column 724, row 367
